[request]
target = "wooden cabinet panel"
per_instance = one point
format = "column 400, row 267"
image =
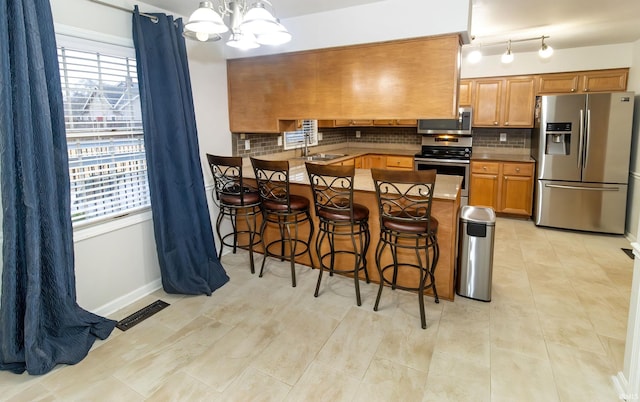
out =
column 519, row 99
column 486, row 104
column 558, row 83
column 605, row 80
column 399, row 162
column 396, row 122
column 504, row 102
column 485, row 167
column 466, row 92
column 352, row 82
column 507, row 187
column 483, row 190
column 584, row 81
column 516, row 195
column 374, row 161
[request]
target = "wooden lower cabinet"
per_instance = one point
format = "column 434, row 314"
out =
column 507, row 187
column 399, row 162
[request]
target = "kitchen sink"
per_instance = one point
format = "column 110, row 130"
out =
column 323, row 157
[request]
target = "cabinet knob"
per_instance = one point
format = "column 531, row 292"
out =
column 506, row 123
column 517, row 169
column 573, row 89
column 484, row 167
column 586, row 89
column 495, row 123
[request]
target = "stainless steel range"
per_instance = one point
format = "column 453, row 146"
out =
column 447, row 154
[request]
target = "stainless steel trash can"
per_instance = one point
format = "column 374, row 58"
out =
column 475, row 253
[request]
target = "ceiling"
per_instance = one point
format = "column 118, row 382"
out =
column 568, row 23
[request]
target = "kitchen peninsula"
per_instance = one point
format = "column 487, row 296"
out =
column 446, row 203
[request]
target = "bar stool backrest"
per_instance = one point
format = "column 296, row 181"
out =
column 332, row 188
column 229, row 186
column 273, row 182
column 404, row 196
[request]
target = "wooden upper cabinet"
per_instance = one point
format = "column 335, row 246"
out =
column 605, row 80
column 519, row 100
column 558, row 83
column 584, row 81
column 360, row 82
column 504, row 102
column 487, row 102
column 465, row 94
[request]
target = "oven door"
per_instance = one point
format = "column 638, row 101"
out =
column 450, row 167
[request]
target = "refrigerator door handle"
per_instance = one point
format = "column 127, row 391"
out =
column 581, row 140
column 587, row 141
column 582, row 188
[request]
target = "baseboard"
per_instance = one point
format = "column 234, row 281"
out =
column 127, row 299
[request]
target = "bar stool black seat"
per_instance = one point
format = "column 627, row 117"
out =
column 339, row 218
column 235, row 200
column 283, row 209
column 404, row 204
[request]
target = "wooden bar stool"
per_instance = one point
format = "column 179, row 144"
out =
column 339, row 218
column 283, row 209
column 404, row 204
column 234, row 200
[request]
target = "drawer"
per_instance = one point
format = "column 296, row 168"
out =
column 400, row 162
column 485, row 167
column 517, row 169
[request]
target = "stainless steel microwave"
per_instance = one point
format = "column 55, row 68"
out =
column 459, row 126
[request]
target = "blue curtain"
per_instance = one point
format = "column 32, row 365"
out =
column 182, row 226
column 41, row 324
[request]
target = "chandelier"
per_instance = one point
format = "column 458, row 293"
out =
column 249, row 25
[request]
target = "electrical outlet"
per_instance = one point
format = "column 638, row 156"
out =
column 503, row 137
column 358, row 134
column 247, row 145
column 319, row 136
column 279, row 140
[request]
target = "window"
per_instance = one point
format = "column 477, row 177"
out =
column 107, row 164
column 295, row 139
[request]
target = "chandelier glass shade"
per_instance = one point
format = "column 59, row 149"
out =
column 251, row 25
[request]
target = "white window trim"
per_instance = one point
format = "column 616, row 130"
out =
column 72, row 36
column 293, row 139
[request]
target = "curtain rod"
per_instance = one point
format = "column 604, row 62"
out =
column 151, row 17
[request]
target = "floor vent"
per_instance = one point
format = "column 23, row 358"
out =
column 628, row 252
column 141, row 315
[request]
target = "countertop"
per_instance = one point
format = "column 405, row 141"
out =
column 501, row 157
column 446, row 188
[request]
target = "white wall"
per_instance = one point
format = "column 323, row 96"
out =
column 576, row 59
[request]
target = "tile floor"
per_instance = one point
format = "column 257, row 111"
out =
column 554, row 331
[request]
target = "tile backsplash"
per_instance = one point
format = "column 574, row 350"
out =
column 517, row 140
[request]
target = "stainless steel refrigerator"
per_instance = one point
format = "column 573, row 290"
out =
column 582, row 144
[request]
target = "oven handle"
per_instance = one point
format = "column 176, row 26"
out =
column 450, row 162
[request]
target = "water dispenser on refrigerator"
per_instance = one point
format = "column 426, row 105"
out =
column 558, row 138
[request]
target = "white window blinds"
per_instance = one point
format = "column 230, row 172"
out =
column 107, row 164
column 295, row 139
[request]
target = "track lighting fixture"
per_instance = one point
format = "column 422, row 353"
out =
column 545, row 50
column 508, row 56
